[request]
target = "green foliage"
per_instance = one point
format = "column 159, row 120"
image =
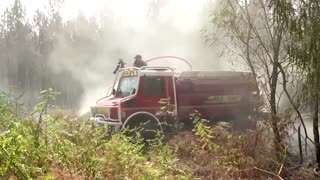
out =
column 18, row 156
column 228, row 155
column 304, row 31
column 56, row 147
column 301, row 21
column 220, row 153
column 170, row 122
column 203, row 131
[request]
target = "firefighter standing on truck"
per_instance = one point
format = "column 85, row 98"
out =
column 139, row 62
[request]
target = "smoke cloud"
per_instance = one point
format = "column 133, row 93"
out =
column 156, row 28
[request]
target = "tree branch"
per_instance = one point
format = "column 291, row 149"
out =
column 268, row 172
column 292, row 103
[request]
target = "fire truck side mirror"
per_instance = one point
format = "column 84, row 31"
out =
column 111, row 91
column 133, row 91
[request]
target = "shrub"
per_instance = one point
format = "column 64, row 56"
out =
column 54, row 146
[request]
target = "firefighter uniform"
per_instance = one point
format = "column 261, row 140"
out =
column 139, row 62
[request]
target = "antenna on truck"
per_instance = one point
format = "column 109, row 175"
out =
column 120, row 64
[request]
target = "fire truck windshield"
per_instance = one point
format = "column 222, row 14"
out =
column 126, row 85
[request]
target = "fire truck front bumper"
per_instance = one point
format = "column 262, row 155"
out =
column 112, row 126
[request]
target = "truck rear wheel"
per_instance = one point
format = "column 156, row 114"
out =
column 243, row 122
column 143, row 124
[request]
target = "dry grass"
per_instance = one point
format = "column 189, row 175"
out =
column 235, row 156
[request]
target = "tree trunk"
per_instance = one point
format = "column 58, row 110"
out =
column 300, row 145
column 275, row 127
column 273, row 90
column 316, row 129
column 274, row 116
column 249, row 60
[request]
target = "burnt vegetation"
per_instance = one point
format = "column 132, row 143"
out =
column 277, row 41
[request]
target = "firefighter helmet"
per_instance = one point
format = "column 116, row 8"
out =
column 138, row 56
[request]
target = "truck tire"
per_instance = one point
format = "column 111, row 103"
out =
column 243, row 123
column 144, row 124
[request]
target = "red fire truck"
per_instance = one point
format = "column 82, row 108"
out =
column 136, row 92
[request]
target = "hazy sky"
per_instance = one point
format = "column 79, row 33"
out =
column 130, row 12
column 72, row 6
column 177, row 32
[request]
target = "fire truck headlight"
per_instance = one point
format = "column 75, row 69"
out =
column 98, row 120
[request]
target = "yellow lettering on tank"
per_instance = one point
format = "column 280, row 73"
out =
column 223, row 99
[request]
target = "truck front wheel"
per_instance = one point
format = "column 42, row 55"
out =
column 143, row 124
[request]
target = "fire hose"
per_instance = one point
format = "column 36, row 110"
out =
column 174, row 57
column 121, row 63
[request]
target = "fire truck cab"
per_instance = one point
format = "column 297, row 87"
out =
column 136, row 92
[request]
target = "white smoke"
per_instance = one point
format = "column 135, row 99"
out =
column 167, row 28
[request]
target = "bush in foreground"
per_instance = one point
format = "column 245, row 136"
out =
column 54, row 146
column 218, row 152
column 59, row 147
